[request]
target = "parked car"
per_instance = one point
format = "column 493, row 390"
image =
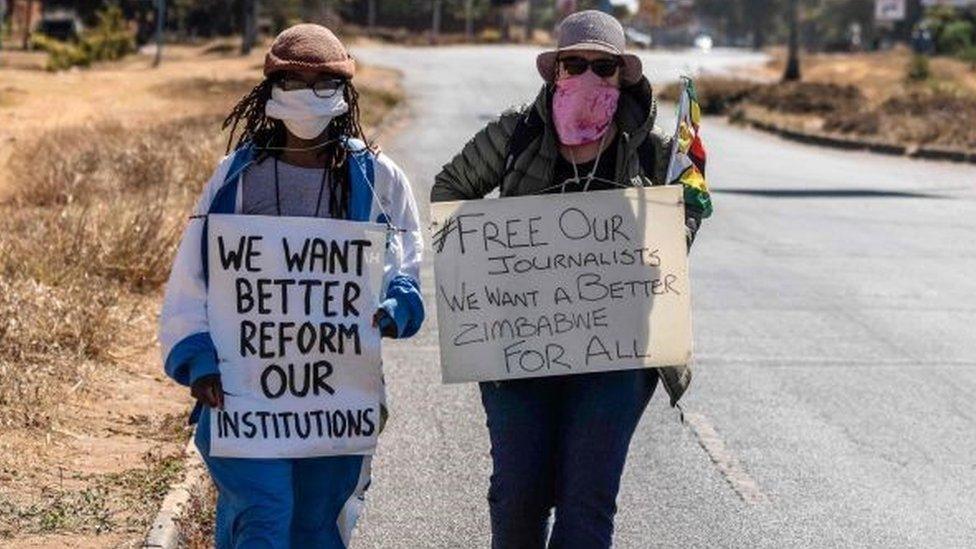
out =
column 704, row 42
column 60, row 24
column 638, row 38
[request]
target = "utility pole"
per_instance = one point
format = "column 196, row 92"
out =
column 250, row 26
column 160, row 23
column 28, row 23
column 371, row 17
column 792, row 72
column 468, row 20
column 435, row 24
column 503, row 23
column 3, row 15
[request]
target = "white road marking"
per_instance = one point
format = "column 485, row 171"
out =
column 724, row 461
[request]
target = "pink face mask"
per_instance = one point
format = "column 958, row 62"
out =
column 583, row 107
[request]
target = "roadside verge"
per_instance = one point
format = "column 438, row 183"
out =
column 755, row 118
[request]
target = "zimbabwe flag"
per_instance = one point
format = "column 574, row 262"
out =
column 687, row 164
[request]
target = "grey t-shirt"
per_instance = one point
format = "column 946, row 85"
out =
column 298, row 189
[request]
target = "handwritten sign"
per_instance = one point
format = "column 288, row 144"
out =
column 561, row 284
column 290, row 303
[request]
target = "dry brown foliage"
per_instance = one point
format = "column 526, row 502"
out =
column 716, row 95
column 924, row 114
column 807, row 97
column 97, row 226
column 197, row 520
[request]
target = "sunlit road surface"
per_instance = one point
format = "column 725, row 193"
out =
column 834, row 400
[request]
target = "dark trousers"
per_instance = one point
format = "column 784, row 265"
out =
column 561, row 442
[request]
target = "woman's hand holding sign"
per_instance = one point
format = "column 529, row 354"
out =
column 386, row 324
column 208, row 390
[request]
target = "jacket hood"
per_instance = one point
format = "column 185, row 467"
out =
column 636, row 109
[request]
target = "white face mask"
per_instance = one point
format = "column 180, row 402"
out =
column 305, row 114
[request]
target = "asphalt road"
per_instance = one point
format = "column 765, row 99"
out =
column 835, row 334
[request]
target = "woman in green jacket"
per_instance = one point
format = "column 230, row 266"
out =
column 561, row 442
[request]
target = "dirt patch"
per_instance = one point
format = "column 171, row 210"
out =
column 9, row 96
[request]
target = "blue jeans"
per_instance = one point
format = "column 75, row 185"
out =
column 561, row 442
column 304, row 503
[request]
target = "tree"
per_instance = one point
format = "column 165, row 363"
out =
column 371, row 16
column 250, row 27
column 28, row 23
column 435, row 23
column 792, row 72
column 160, row 23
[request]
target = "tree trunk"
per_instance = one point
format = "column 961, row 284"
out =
column 792, row 72
column 530, row 21
column 468, row 20
column 503, row 25
column 3, row 15
column 435, row 22
column 759, row 35
column 371, row 16
column 27, row 23
column 160, row 24
column 250, row 36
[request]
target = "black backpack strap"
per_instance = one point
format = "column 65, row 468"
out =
column 527, row 129
column 648, row 159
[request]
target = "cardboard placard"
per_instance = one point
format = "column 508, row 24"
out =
column 561, row 284
column 290, row 302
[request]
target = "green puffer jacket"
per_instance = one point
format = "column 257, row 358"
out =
column 480, row 168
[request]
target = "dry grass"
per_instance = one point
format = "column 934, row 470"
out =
column 877, row 74
column 716, row 95
column 95, row 229
column 197, row 521
column 857, row 95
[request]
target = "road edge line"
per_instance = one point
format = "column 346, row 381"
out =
column 165, row 532
column 728, row 466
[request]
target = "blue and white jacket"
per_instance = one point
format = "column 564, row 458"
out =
column 184, row 333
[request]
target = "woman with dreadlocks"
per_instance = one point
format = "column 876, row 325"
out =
column 299, row 151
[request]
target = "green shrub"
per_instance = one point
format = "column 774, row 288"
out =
column 60, row 55
column 968, row 55
column 107, row 41
column 955, row 37
column 110, row 39
column 918, row 68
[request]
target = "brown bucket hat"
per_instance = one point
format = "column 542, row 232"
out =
column 593, row 31
column 309, row 47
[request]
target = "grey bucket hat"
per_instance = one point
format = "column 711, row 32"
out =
column 593, row 31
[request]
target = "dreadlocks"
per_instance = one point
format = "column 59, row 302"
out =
column 269, row 136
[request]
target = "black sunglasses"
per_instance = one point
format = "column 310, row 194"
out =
column 324, row 87
column 604, row 68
